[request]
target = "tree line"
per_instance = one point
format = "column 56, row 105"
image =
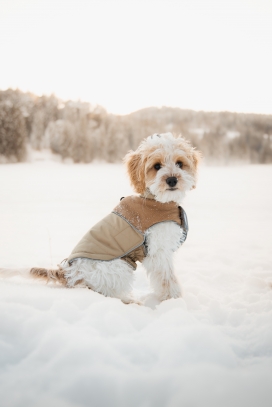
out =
column 83, row 132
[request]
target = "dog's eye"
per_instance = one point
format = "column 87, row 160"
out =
column 179, row 164
column 157, row 166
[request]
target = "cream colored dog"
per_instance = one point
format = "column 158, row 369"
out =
column 161, row 170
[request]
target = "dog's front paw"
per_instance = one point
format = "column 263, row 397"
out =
column 169, row 290
column 131, row 300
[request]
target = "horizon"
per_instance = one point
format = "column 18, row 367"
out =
column 134, row 111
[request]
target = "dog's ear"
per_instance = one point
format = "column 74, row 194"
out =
column 136, row 170
column 196, row 156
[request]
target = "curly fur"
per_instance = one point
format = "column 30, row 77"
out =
column 112, row 278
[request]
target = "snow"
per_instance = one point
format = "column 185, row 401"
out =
column 73, row 347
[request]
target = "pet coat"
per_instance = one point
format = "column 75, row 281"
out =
column 121, row 234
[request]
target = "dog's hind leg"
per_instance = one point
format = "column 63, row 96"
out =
column 112, row 278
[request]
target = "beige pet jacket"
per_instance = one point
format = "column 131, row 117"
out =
column 121, row 234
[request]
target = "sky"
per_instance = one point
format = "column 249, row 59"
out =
column 126, row 55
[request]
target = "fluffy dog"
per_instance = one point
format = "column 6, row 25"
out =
column 148, row 227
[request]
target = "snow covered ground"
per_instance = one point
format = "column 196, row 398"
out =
column 72, row 347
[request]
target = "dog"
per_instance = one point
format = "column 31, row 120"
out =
column 148, row 227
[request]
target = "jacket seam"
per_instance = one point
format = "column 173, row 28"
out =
column 90, row 258
column 130, row 224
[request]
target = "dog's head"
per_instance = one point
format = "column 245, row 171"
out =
column 164, row 165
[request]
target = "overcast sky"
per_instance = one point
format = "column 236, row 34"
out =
column 126, row 54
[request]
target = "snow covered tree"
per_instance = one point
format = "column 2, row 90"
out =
column 13, row 134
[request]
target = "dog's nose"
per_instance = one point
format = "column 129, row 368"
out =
column 171, row 181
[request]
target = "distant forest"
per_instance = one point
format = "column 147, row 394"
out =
column 83, row 132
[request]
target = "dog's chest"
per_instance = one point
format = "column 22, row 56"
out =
column 164, row 236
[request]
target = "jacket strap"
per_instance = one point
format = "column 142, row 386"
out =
column 184, row 222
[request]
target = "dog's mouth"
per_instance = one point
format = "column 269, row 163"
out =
column 172, row 189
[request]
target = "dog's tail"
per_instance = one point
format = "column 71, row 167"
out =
column 49, row 274
column 41, row 273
